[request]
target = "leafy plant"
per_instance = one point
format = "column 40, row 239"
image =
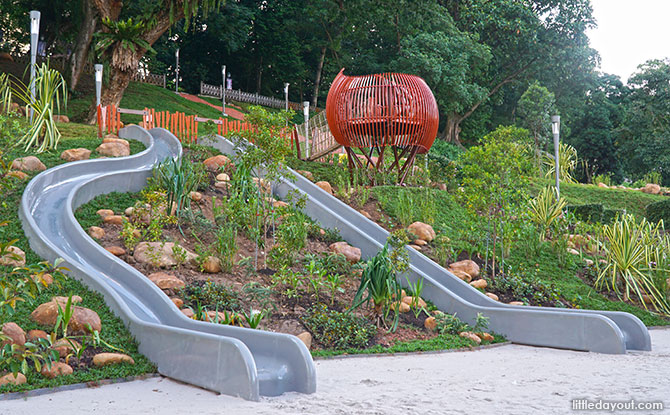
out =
column 178, row 178
column 35, row 354
column 633, row 252
column 5, row 92
column 378, row 284
column 50, row 89
column 64, row 317
column 567, row 161
column 546, row 208
column 226, row 246
column 254, row 317
column 338, row 330
column 210, row 294
column 653, row 177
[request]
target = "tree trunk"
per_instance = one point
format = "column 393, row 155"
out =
column 452, row 129
column 259, row 76
column 84, row 38
column 317, row 79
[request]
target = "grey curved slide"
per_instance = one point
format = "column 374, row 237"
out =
column 230, row 360
column 597, row 331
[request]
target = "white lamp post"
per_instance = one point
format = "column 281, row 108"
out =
column 98, row 83
column 305, row 112
column 286, row 84
column 556, row 129
column 223, row 90
column 176, row 78
column 34, row 37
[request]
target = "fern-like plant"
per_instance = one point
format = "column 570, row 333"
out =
column 121, row 37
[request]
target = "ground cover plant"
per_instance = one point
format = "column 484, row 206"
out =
column 25, row 287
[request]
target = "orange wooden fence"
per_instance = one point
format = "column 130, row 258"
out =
column 184, row 127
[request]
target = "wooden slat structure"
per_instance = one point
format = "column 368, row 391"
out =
column 373, row 112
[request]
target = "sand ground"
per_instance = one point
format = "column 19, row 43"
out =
column 510, row 379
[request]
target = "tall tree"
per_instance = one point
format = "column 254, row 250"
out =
column 535, row 108
column 156, row 18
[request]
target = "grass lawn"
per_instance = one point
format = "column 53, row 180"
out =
column 633, row 201
column 113, row 330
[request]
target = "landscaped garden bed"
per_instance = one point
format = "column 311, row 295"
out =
column 47, row 339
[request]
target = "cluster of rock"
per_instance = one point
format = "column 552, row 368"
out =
column 431, row 324
column 84, row 321
column 649, row 188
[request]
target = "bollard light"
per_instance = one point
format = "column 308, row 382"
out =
column 556, row 129
column 305, row 112
column 34, row 37
column 176, row 78
column 286, row 84
column 223, row 90
column 98, row 83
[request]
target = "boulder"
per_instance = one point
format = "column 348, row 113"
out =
column 96, row 232
column 166, row 281
column 325, row 186
column 15, row 257
column 461, row 274
column 279, row 204
column 187, row 312
column 265, row 185
column 57, row 369
column 492, row 296
column 516, row 303
column 422, row 231
column 195, row 196
column 66, row 346
column 76, row 154
column 573, row 251
column 44, row 279
column 15, row 333
column 61, row 118
column 163, row 252
column 178, row 302
column 211, row 265
column 222, row 177
column 588, row 262
column 29, row 163
column 47, row 313
column 113, row 219
column 365, row 214
column 401, row 305
column 467, row 265
column 351, row 253
column 420, row 242
column 33, row 335
column 222, row 185
column 306, row 337
column 480, row 283
column 216, row 162
column 651, row 188
column 417, row 247
column 104, row 213
column 470, row 335
column 10, row 379
column 17, row 174
column 307, row 174
column 113, row 150
column 115, row 250
column 603, row 185
column 486, row 337
column 104, row 359
column 114, row 139
column 430, row 323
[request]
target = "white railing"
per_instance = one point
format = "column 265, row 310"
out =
column 241, row 96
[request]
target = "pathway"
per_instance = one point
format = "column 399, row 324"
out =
column 232, row 112
column 509, row 379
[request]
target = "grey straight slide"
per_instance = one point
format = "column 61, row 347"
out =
column 225, row 359
column 588, row 330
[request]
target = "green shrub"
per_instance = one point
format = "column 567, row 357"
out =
column 610, row 215
column 587, row 213
column 337, row 330
column 658, row 211
column 210, row 295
